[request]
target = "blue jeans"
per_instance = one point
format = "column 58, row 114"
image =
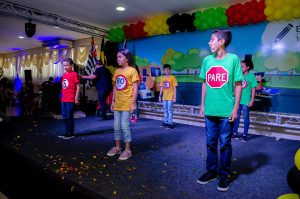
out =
column 67, row 112
column 246, row 111
column 121, row 124
column 168, row 111
column 218, row 128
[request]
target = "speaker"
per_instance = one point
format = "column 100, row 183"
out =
column 30, row 29
column 28, row 76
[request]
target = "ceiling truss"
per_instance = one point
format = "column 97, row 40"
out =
column 23, row 12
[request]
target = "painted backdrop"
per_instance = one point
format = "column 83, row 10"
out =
column 275, row 50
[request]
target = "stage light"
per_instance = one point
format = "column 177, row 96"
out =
column 30, row 29
column 120, row 8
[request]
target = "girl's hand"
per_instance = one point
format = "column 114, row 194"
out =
column 202, row 111
column 133, row 106
column 250, row 103
column 112, row 106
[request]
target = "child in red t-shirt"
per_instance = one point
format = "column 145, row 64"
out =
column 70, row 93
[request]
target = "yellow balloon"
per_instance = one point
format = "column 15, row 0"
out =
column 297, row 159
column 289, row 196
column 268, row 2
column 146, row 29
column 271, row 17
column 288, row 16
column 296, row 12
column 277, row 3
column 278, row 15
column 268, row 11
column 286, row 9
column 295, row 3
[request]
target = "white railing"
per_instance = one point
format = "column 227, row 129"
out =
column 278, row 125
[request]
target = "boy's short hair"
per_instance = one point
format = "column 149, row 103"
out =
column 99, row 62
column 167, row 66
column 69, row 60
column 223, row 34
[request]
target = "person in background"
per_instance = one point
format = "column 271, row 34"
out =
column 6, row 94
column 167, row 95
column 249, row 84
column 123, row 103
column 29, row 96
column 103, row 79
column 221, row 74
column 134, row 116
column 70, row 94
column 47, row 95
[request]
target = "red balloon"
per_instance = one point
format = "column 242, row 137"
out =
column 230, row 21
column 237, row 17
column 245, row 20
column 238, row 7
column 252, row 16
column 247, row 4
column 261, row 6
column 253, row 5
column 230, row 11
column 125, row 28
column 261, row 17
column 141, row 24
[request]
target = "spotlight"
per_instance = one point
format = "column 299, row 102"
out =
column 30, row 29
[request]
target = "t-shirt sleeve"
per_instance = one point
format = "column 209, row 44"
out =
column 175, row 81
column 135, row 76
column 76, row 78
column 238, row 74
column 254, row 81
column 202, row 74
column 161, row 82
column 115, row 76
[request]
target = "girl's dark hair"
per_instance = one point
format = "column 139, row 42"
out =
column 248, row 63
column 69, row 60
column 127, row 54
column 137, row 68
column 223, row 34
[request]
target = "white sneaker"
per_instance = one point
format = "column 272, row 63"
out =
column 114, row 151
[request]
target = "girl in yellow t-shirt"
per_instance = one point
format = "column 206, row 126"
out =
column 123, row 103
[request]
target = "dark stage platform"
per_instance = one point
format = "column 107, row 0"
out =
column 35, row 163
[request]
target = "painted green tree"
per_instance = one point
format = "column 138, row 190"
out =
column 283, row 62
column 259, row 61
column 180, row 61
column 141, row 62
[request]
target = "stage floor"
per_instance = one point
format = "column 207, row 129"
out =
column 165, row 163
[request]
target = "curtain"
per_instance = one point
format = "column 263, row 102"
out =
column 42, row 65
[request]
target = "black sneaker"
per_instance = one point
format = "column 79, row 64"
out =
column 244, row 138
column 207, row 177
column 223, row 184
column 163, row 125
column 66, row 137
column 169, row 126
column 235, row 136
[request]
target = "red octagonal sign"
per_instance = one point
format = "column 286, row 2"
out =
column 216, row 76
